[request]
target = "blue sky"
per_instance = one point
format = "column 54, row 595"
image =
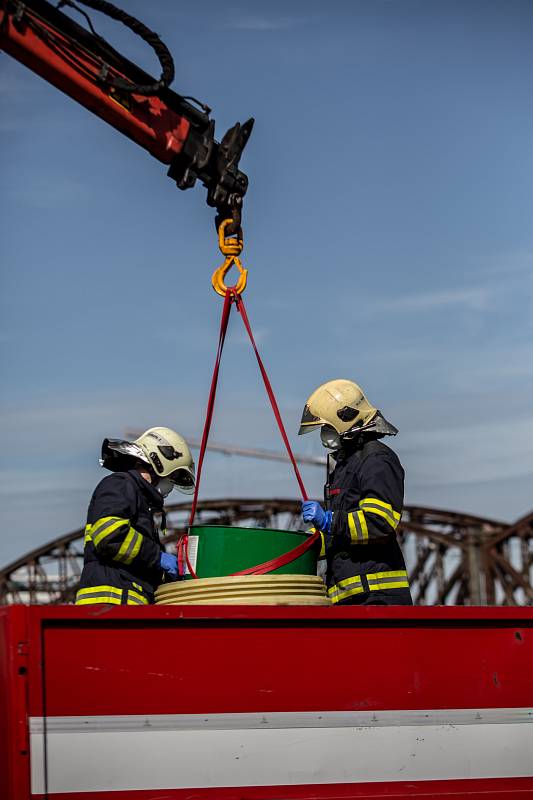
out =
column 388, row 236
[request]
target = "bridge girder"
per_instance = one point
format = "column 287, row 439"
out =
column 452, row 558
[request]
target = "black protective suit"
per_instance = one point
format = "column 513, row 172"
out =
column 365, row 564
column 122, row 549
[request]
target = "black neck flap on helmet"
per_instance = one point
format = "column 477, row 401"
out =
column 378, row 427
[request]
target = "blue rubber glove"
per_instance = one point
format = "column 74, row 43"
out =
column 314, row 513
column 169, row 564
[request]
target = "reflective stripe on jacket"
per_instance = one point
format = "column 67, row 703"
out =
column 111, row 594
column 365, row 494
column 121, row 547
column 371, row 582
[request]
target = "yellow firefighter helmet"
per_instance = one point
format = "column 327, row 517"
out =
column 169, row 455
column 341, row 404
column 163, row 449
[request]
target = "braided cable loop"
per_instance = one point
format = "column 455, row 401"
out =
column 161, row 50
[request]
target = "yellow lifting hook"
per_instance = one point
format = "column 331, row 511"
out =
column 231, row 247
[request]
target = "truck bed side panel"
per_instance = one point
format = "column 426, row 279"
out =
column 241, row 703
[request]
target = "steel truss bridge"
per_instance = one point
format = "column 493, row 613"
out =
column 453, row 559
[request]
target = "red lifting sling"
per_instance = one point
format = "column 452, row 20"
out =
column 231, row 296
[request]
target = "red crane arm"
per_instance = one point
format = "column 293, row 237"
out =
column 84, row 66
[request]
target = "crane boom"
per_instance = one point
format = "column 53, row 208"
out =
column 87, row 68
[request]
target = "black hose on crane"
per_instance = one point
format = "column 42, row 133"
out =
column 161, row 50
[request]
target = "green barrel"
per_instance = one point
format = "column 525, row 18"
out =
column 221, row 550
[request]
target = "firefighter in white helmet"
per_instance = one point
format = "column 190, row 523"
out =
column 124, row 560
column 363, row 498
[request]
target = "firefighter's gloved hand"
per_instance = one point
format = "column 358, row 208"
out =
column 169, row 564
column 314, row 513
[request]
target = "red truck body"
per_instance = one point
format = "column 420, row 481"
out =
column 250, row 703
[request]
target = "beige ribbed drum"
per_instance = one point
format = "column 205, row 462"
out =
column 264, row 590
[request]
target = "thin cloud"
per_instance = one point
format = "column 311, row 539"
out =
column 44, row 195
column 47, row 485
column 469, row 454
column 513, row 263
column 263, row 23
column 474, row 299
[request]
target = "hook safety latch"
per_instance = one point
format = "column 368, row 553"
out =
column 231, row 247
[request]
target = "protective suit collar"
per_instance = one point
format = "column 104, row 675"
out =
column 154, row 498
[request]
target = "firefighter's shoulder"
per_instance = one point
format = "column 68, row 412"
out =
column 117, row 483
column 376, row 451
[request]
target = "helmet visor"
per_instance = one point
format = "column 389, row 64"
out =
column 309, row 421
column 123, row 447
column 119, row 454
column 183, row 480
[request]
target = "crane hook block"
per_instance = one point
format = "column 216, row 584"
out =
column 231, row 247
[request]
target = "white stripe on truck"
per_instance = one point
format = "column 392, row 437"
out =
column 105, row 753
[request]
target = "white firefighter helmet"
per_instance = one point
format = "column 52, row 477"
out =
column 343, row 406
column 164, row 450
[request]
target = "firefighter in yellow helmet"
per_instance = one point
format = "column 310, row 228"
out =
column 124, row 560
column 363, row 498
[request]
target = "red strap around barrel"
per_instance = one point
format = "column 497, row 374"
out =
column 281, row 561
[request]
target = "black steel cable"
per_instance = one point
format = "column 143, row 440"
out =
column 70, row 54
column 84, row 14
column 151, row 38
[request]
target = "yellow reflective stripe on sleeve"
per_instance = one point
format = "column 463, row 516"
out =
column 104, row 522
column 130, row 547
column 380, row 513
column 348, row 593
column 364, row 527
column 394, row 579
column 358, row 527
column 351, row 526
column 136, row 599
column 99, row 594
column 373, row 505
column 137, row 546
column 336, row 598
column 105, row 526
column 87, row 537
column 345, row 588
column 375, row 501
